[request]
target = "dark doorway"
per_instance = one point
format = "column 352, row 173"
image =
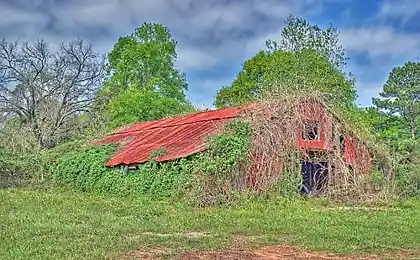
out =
column 314, row 177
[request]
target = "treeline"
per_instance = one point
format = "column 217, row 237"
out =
column 53, row 97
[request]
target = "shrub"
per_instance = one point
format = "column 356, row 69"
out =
column 219, row 170
column 20, row 169
column 83, row 169
column 408, row 180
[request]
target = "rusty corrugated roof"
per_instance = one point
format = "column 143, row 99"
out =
column 180, row 137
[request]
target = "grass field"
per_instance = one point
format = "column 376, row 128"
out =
column 62, row 225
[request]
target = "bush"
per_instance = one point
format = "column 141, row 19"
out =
column 219, row 170
column 83, row 169
column 408, row 180
column 80, row 168
column 407, row 153
column 22, row 169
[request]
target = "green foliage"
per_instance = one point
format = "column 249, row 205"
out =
column 143, row 83
column 386, row 127
column 401, row 94
column 389, row 130
column 21, row 162
column 299, row 35
column 248, row 84
column 219, row 168
column 158, row 153
column 20, row 169
column 291, row 181
column 169, row 179
column 135, row 105
column 16, row 138
column 308, row 59
column 227, row 150
column 377, row 179
column 286, row 72
column 395, row 120
column 408, row 178
column 82, row 168
column 148, row 53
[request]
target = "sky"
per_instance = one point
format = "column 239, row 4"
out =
column 215, row 37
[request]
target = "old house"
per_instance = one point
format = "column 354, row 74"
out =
column 330, row 152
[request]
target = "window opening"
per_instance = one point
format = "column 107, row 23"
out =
column 311, row 131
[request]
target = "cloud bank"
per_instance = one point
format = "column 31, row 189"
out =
column 216, row 37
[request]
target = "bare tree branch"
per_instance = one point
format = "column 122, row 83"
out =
column 48, row 90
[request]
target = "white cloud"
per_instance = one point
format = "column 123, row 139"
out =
column 194, row 58
column 210, row 34
column 400, row 9
column 368, row 90
column 92, row 13
column 230, row 50
column 379, row 41
column 10, row 16
column 383, row 48
column 26, row 22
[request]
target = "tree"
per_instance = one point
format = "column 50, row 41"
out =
column 135, row 104
column 307, row 58
column 298, row 35
column 285, row 72
column 145, row 62
column 248, row 83
column 47, row 90
column 401, row 94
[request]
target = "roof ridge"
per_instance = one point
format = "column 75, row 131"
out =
column 184, row 123
column 172, row 125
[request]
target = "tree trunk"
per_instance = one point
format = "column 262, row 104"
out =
column 38, row 135
column 413, row 128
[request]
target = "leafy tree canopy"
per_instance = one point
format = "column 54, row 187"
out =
column 299, row 35
column 401, row 94
column 135, row 104
column 307, row 58
column 287, row 71
column 142, row 74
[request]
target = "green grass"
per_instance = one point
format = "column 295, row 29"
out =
column 63, row 225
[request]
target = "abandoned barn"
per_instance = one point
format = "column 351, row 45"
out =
column 329, row 153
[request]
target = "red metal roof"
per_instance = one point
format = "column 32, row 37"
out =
column 181, row 137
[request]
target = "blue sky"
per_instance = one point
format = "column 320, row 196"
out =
column 216, row 36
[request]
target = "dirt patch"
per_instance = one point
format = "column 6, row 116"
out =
column 187, row 234
column 144, row 254
column 361, row 208
column 196, row 234
column 281, row 252
column 225, row 255
column 244, row 251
